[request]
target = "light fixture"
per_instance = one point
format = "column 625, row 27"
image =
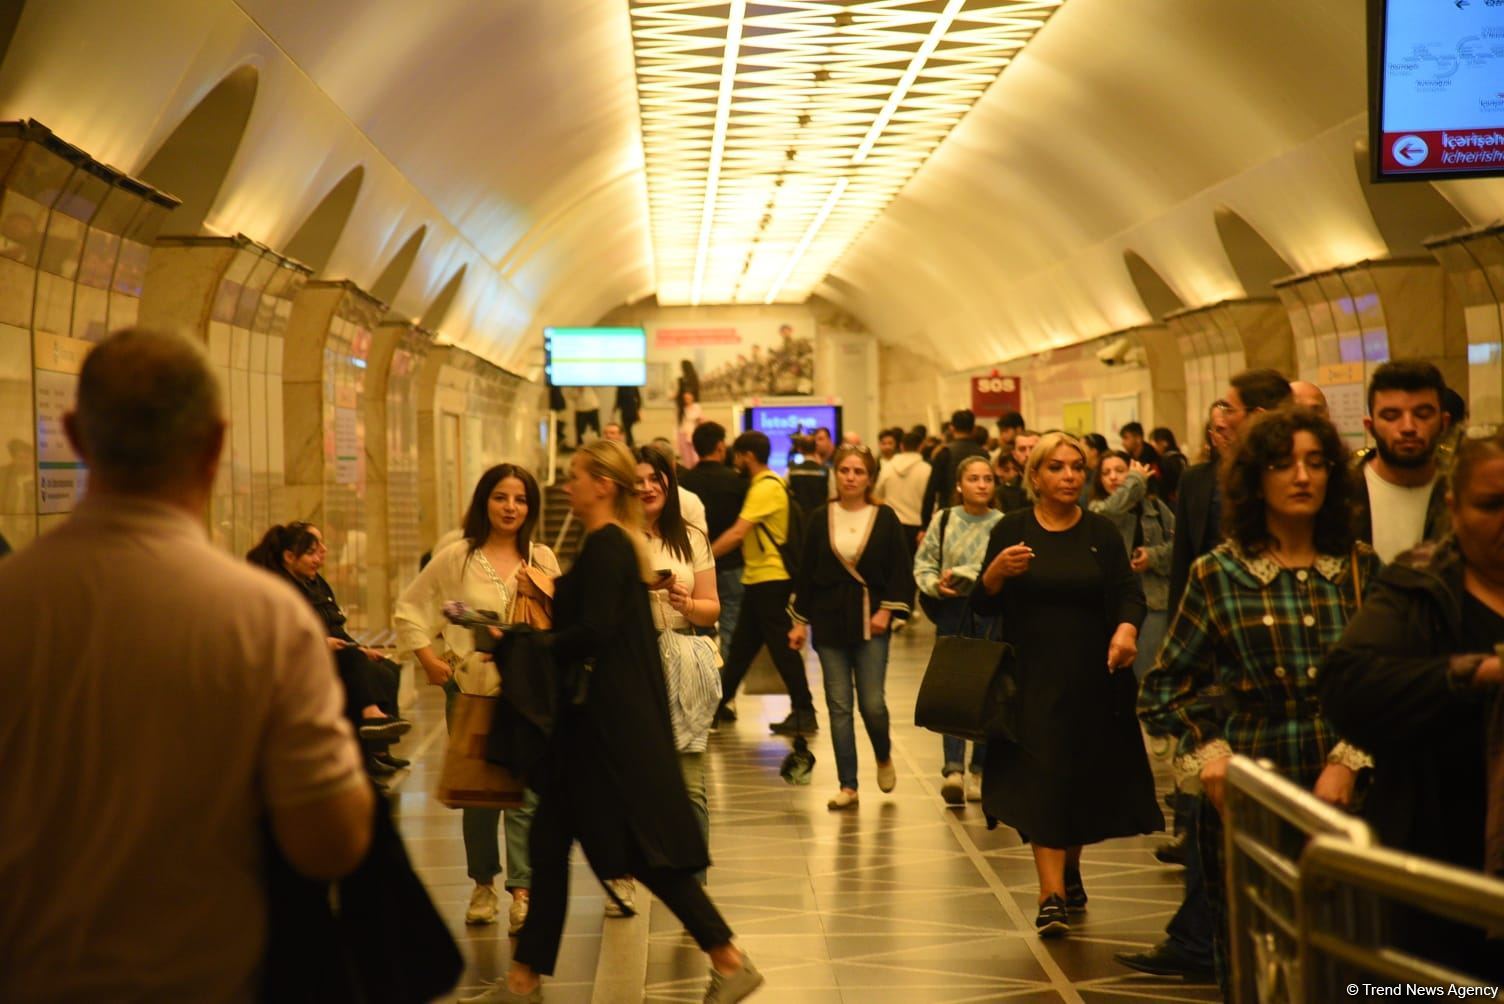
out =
column 775, row 133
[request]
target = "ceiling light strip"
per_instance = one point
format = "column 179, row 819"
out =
column 926, row 49
column 718, row 140
column 809, row 236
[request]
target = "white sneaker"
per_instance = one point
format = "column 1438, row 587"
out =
column 887, row 776
column 974, row 786
column 625, row 890
column 517, row 914
column 483, row 905
column 952, row 789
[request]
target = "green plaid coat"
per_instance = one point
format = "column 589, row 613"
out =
column 1237, row 671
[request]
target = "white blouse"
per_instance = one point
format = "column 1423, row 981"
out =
column 665, row 617
column 456, row 574
column 849, row 530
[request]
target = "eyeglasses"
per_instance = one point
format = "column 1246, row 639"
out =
column 1314, row 464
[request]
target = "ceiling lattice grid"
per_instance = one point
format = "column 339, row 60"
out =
column 776, row 132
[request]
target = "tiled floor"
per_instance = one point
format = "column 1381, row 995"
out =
column 902, row 899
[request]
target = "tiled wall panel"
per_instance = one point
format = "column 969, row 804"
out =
column 1475, row 263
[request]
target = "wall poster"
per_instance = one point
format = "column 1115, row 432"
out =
column 732, row 360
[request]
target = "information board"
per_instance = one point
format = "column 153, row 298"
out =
column 1437, row 80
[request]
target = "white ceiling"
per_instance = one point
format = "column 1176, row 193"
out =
column 511, row 129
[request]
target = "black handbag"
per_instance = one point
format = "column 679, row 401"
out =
column 969, row 689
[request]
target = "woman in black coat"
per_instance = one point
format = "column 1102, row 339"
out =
column 1074, row 772
column 1411, row 682
column 612, row 780
column 855, row 574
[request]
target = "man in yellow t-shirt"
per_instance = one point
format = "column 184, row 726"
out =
column 761, row 527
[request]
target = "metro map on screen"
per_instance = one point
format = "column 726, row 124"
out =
column 1442, row 87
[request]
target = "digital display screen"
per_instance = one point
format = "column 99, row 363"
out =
column 1437, row 86
column 596, row 357
column 781, row 422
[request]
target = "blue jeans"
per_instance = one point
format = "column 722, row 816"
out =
column 479, row 826
column 953, row 618
column 692, row 766
column 728, row 584
column 867, row 662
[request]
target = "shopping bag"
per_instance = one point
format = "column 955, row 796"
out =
column 969, row 690
column 468, row 780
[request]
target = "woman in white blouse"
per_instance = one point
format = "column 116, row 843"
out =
column 685, row 604
column 481, row 571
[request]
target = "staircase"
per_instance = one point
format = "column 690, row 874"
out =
column 556, row 521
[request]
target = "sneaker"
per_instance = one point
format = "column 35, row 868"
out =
column 498, row 993
column 1053, row 921
column 738, row 986
column 844, row 800
column 952, row 789
column 1075, row 892
column 516, row 914
column 619, row 897
column 974, row 786
column 384, row 729
column 483, row 905
column 796, row 725
column 887, row 777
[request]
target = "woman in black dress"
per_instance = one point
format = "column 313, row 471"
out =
column 612, row 779
column 1075, row 771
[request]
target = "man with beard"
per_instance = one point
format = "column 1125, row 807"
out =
column 1401, row 497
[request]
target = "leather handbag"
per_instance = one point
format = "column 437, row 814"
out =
column 468, row 779
column 969, row 689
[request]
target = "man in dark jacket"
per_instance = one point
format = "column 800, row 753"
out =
column 723, row 491
column 937, row 494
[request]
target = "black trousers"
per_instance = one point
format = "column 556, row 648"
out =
column 549, row 844
column 764, row 620
column 367, row 681
column 586, row 420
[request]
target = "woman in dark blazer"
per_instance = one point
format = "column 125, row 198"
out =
column 855, row 574
column 1074, row 772
column 612, row 779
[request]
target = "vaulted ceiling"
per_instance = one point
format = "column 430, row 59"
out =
column 512, row 133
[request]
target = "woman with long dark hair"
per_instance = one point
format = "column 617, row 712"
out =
column 686, row 605
column 481, row 570
column 1237, row 672
column 296, row 552
column 1075, row 771
column 856, row 573
column 611, row 779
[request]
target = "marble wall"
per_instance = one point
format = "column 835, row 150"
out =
column 236, row 296
column 324, row 381
column 1219, row 340
column 1475, row 263
column 398, row 350
column 471, row 415
column 74, row 240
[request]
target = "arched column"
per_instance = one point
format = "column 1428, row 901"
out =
column 1475, row 262
column 398, row 349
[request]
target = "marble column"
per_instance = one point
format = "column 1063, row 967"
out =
column 1474, row 261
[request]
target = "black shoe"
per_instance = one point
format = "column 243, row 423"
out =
column 376, row 768
column 394, row 762
column 1052, row 921
column 1165, row 959
column 796, row 725
column 723, row 716
column 384, row 729
column 1075, row 892
column 1172, row 852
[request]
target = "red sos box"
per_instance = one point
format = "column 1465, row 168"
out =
column 994, row 396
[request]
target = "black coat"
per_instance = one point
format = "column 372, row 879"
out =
column 1196, row 529
column 941, row 489
column 1386, row 687
column 613, row 759
column 830, row 599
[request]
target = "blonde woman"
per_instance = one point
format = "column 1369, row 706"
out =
column 1075, row 771
column 612, row 779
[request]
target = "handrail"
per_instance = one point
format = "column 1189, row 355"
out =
column 563, row 531
column 1342, row 931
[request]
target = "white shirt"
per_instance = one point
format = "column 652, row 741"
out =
column 693, row 510
column 1399, row 514
column 456, row 574
column 664, row 615
column 849, row 530
column 901, row 484
column 159, row 695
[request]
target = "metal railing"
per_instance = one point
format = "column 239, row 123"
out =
column 1348, row 896
column 1268, row 821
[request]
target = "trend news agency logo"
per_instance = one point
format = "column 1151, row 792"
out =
column 1410, row 151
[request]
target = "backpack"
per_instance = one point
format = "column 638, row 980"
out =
column 791, row 548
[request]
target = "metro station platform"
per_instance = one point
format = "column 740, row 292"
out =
column 902, row 899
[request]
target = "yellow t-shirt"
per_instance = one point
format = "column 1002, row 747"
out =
column 767, row 504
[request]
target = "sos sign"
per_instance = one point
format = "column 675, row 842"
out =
column 992, row 396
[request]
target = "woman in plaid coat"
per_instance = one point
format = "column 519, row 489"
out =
column 1237, row 671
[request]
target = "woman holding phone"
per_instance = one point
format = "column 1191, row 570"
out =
column 481, row 570
column 1075, row 772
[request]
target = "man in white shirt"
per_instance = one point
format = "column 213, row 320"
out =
column 901, row 484
column 163, row 702
column 1401, row 496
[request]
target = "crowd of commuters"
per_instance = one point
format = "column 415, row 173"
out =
column 1337, row 617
